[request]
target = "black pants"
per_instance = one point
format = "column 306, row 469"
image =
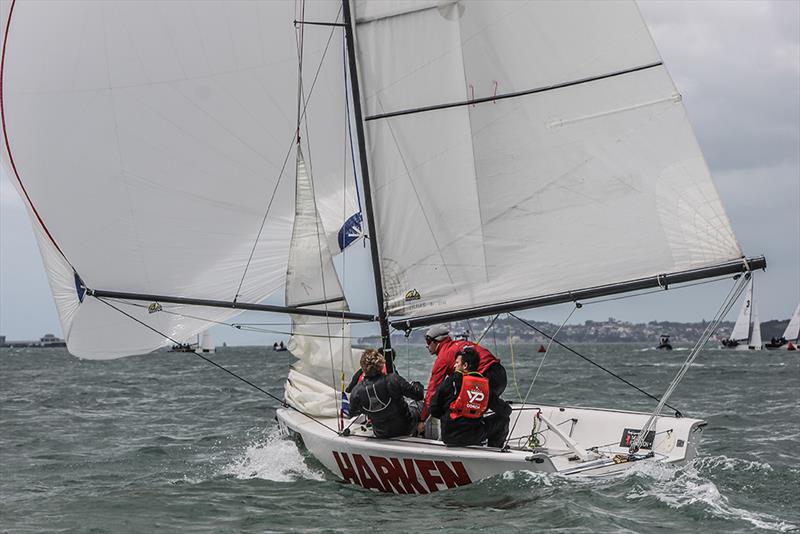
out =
column 497, row 423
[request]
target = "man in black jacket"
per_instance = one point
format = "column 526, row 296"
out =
column 381, row 398
column 461, row 412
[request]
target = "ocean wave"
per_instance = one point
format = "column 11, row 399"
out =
column 685, row 487
column 730, row 464
column 272, row 457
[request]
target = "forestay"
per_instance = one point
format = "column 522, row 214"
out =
column 148, row 164
column 574, row 166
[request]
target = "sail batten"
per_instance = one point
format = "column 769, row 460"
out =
column 662, row 280
column 515, row 94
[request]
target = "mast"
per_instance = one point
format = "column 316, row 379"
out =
column 373, row 235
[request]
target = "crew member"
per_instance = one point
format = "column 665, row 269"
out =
column 461, row 400
column 440, row 344
column 381, row 398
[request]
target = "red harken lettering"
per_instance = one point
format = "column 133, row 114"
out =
column 400, row 475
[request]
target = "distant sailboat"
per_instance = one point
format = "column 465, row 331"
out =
column 203, row 343
column 791, row 336
column 206, row 343
column 743, row 337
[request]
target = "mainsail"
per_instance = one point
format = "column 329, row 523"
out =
column 517, row 150
column 159, row 165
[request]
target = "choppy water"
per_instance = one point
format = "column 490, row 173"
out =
column 166, row 442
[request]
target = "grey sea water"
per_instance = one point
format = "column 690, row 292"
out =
column 166, row 443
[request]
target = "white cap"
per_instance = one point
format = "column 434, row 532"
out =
column 438, row 332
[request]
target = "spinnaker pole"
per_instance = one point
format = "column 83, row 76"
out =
column 373, row 241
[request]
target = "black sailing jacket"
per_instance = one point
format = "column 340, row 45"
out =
column 381, row 399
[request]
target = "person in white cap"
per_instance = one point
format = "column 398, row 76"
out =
column 440, row 344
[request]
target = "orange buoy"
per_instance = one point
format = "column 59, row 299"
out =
column 791, row 346
column 542, row 349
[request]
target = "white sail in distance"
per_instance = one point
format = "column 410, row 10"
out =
column 574, row 166
column 792, row 332
column 755, row 337
column 741, row 329
column 149, row 165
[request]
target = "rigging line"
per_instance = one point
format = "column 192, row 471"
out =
column 285, row 333
column 280, row 175
column 493, row 98
column 732, row 297
column 659, row 290
column 419, row 202
column 576, row 353
column 309, row 23
column 265, row 392
column 303, row 120
column 538, row 369
column 486, row 330
column 239, row 326
column 299, row 31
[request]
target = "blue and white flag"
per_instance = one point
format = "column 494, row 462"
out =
column 345, row 405
column 351, row 230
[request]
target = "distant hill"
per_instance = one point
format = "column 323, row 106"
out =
column 610, row 331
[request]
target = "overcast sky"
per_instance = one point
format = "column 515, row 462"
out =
column 737, row 65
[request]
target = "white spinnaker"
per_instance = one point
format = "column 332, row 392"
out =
column 792, row 332
column 568, row 188
column 321, row 345
column 152, row 161
column 741, row 329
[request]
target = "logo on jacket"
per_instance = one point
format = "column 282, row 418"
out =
column 475, row 395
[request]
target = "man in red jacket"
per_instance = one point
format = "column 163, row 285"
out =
column 440, row 344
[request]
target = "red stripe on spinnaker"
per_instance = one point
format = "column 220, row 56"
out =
column 5, row 137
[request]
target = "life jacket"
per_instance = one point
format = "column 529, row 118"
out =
column 362, row 375
column 473, row 398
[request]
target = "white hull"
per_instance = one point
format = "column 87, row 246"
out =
column 416, row 465
column 742, row 347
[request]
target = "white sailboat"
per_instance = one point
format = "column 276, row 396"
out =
column 203, row 344
column 791, row 336
column 485, row 135
column 746, row 333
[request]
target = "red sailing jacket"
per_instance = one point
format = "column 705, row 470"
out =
column 445, row 365
column 472, row 399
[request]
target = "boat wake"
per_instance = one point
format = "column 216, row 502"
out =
column 687, row 488
column 272, row 457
